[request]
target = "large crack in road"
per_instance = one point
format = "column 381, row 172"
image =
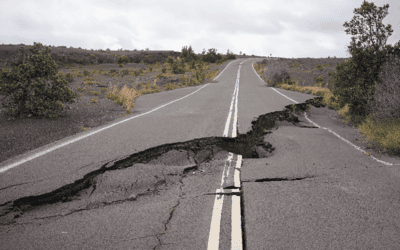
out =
column 145, row 172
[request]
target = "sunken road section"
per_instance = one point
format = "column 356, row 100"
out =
column 182, row 156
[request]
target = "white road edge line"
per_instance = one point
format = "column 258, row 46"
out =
column 327, row 129
column 10, row 166
column 351, row 144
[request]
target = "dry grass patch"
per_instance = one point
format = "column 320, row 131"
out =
column 124, row 97
column 382, row 135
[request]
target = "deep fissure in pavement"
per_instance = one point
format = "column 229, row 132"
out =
column 279, row 179
column 189, row 155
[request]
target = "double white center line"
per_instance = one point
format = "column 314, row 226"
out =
column 236, row 224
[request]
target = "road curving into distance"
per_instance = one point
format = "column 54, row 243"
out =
column 219, row 166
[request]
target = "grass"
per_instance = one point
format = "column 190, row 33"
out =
column 311, row 76
column 136, row 80
column 122, row 82
column 94, row 82
column 385, row 135
column 124, row 97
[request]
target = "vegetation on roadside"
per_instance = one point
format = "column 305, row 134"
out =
column 364, row 88
column 191, row 69
column 36, row 85
column 33, row 86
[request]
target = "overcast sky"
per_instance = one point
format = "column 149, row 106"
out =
column 305, row 28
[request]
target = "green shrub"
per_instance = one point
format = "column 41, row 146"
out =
column 355, row 79
column 290, row 82
column 176, row 68
column 212, row 56
column 319, row 81
column 136, row 60
column 33, row 85
column 114, row 72
column 230, row 57
column 149, row 59
column 138, row 72
column 188, row 54
column 170, row 86
column 170, row 60
column 124, row 59
column 80, row 89
column 199, row 75
column 69, row 78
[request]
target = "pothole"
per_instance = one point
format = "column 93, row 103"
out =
column 144, row 172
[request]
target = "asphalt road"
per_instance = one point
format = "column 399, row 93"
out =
column 164, row 178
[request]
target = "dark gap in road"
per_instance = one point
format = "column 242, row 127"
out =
column 188, row 156
column 188, row 169
column 279, row 179
column 242, row 215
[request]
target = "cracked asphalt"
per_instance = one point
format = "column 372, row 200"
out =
column 150, row 182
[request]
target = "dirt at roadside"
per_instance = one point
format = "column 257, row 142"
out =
column 18, row 136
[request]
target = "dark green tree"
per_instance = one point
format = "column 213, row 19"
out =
column 176, row 67
column 124, row 59
column 33, row 85
column 212, row 56
column 367, row 28
column 230, row 55
column 188, row 54
column 355, row 79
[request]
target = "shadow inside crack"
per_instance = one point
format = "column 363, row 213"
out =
column 279, row 179
column 145, row 172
